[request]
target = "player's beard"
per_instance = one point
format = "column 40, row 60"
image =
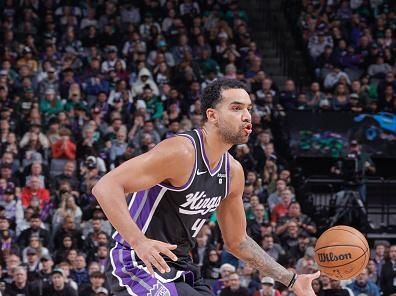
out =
column 231, row 135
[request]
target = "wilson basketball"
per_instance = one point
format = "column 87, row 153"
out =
column 342, row 252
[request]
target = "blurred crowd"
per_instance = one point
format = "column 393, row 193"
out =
column 87, row 85
column 352, row 51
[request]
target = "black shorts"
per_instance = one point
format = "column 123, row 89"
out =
column 125, row 279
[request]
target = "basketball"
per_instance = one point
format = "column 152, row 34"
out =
column 342, row 252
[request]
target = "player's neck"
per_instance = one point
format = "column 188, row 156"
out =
column 214, row 146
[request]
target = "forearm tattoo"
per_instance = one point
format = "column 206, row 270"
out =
column 250, row 252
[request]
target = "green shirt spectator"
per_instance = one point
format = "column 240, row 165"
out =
column 50, row 105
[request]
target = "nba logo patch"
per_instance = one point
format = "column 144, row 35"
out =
column 220, row 181
column 159, row 290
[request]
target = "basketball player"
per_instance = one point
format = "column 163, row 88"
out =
column 176, row 186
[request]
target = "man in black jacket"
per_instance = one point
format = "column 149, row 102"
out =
column 97, row 280
column 234, row 288
column 58, row 286
column 388, row 273
column 35, row 228
column 21, row 286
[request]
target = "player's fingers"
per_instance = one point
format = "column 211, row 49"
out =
column 168, row 246
column 149, row 267
column 169, row 254
column 161, row 262
column 156, row 264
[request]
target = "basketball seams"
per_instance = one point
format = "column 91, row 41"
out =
column 364, row 264
column 332, row 246
column 342, row 227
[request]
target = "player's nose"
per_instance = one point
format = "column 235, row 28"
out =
column 246, row 116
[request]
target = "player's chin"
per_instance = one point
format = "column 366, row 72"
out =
column 243, row 139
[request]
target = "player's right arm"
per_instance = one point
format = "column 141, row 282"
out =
column 232, row 222
column 172, row 161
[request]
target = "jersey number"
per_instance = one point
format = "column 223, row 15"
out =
column 197, row 226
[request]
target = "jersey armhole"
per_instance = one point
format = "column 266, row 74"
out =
column 192, row 175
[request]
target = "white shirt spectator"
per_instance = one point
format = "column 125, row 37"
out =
column 318, row 43
column 108, row 65
column 333, row 77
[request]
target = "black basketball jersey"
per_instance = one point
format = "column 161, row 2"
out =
column 175, row 215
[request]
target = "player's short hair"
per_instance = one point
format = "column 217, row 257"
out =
column 212, row 93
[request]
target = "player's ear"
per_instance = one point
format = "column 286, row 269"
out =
column 212, row 115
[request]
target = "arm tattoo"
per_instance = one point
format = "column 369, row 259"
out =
column 250, row 252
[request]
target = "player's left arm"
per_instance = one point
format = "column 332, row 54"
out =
column 232, row 221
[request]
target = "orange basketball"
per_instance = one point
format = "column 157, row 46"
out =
column 342, row 252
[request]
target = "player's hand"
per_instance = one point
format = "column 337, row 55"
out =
column 303, row 285
column 149, row 251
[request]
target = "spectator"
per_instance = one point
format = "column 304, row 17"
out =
column 234, row 287
column 68, row 175
column 267, row 288
column 334, row 77
column 299, row 250
column 12, row 206
column 372, row 272
column 97, row 280
column 67, row 207
column 65, row 266
column 254, row 225
column 362, row 285
column 144, row 79
column 20, row 284
column 59, row 285
column 79, row 273
column 290, row 238
column 34, row 191
column 32, row 262
column 307, row 264
column 294, row 214
column 46, row 269
column 225, row 270
column 68, row 228
column 282, row 209
column 275, row 198
column 64, row 148
column 387, row 282
column 66, row 245
column 211, row 266
column 50, row 105
column 92, row 237
column 118, row 146
column 337, row 289
column 36, row 228
column 379, row 69
column 35, row 246
column 273, row 249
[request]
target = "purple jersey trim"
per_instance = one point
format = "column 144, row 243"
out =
column 135, row 280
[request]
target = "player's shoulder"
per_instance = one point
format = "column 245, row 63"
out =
column 178, row 147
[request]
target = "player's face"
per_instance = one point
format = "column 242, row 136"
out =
column 233, row 116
